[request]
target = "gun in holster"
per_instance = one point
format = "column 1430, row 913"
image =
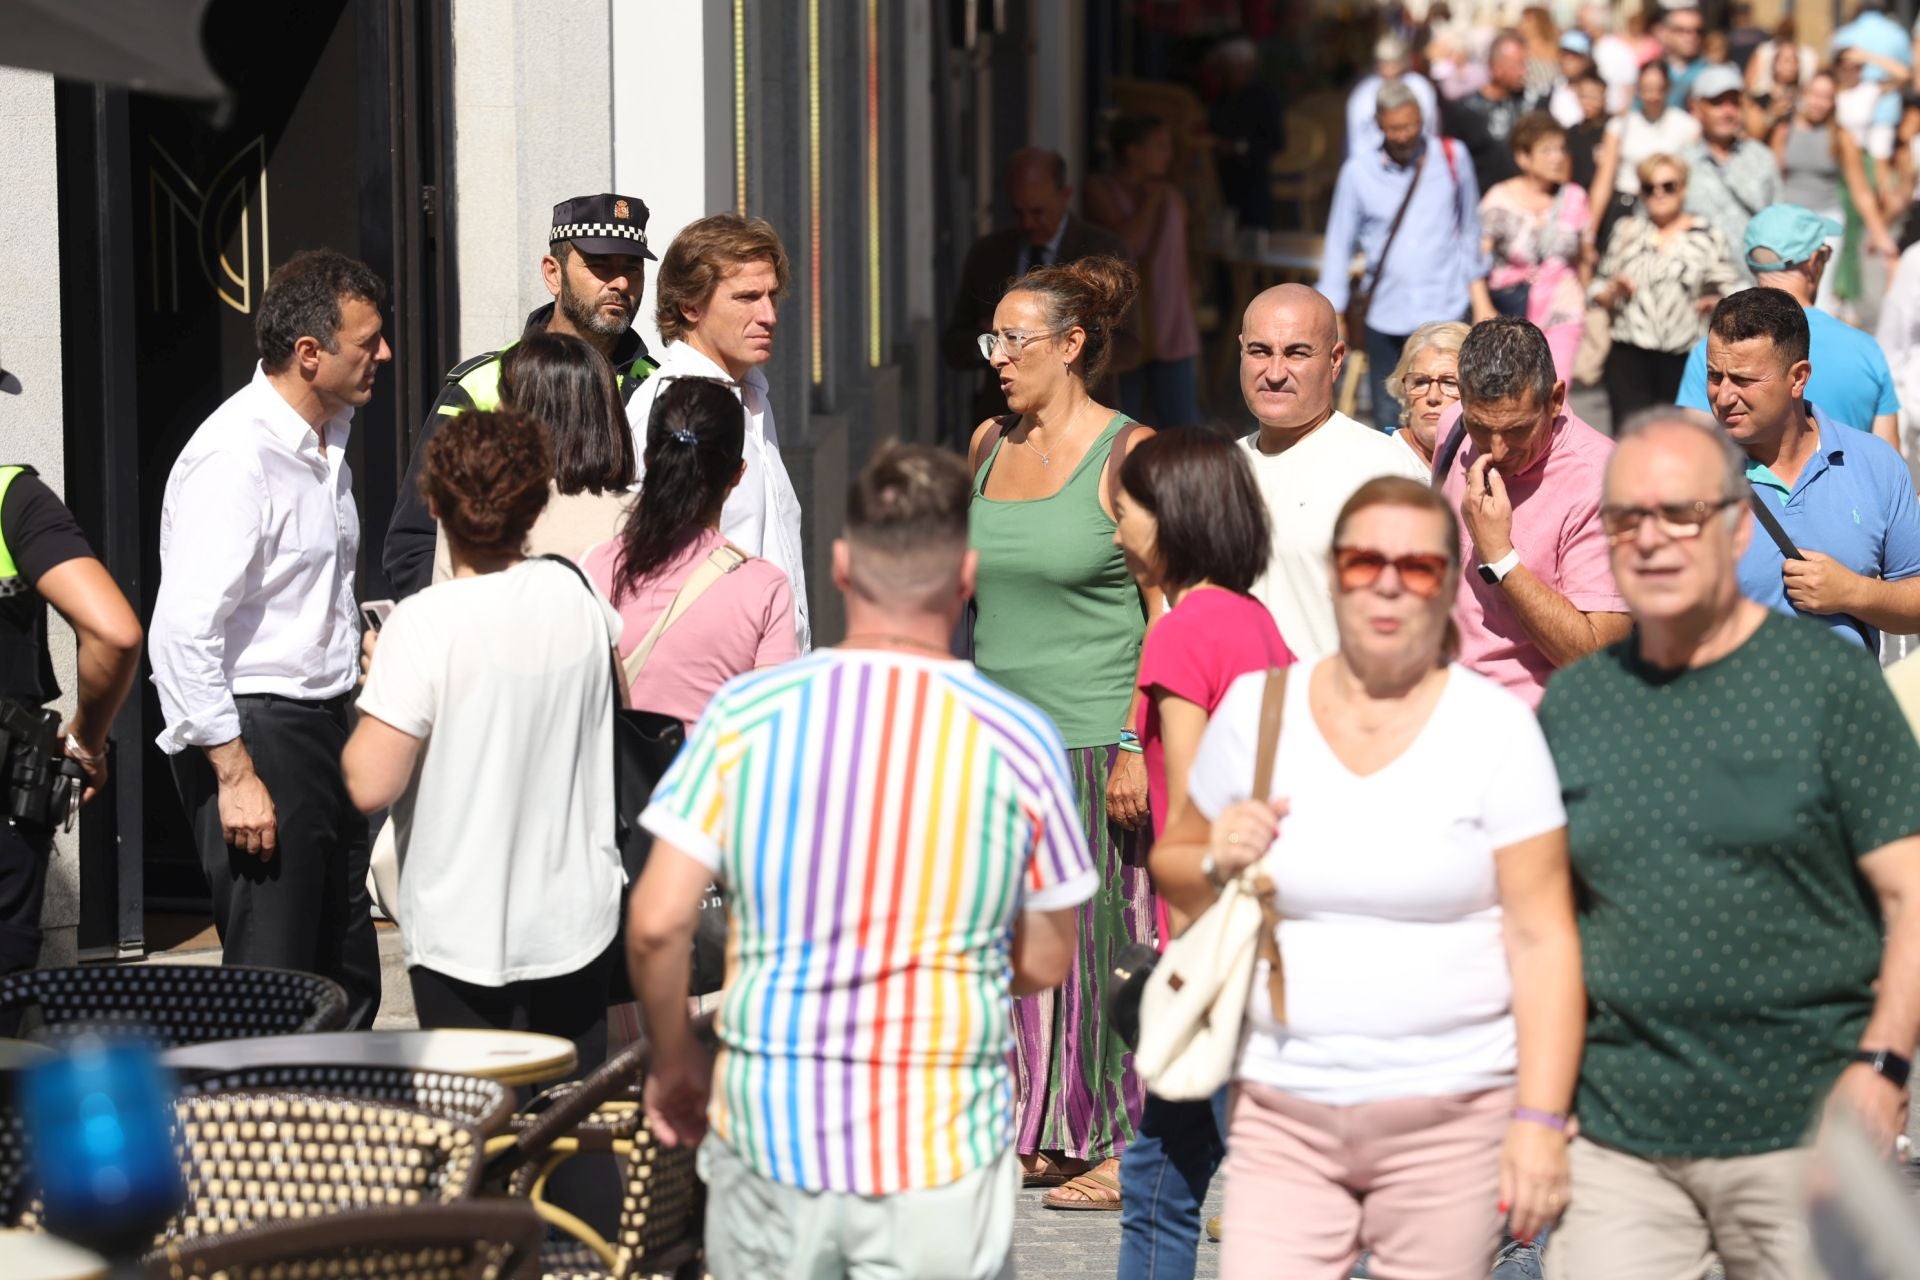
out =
column 43, row 786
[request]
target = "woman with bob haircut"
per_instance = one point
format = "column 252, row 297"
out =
column 566, row 386
column 1192, row 525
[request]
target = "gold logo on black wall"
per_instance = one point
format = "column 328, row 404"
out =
column 230, row 208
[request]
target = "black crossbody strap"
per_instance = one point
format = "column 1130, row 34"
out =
column 1771, row 523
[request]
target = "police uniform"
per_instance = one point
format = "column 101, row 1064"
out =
column 595, row 225
column 37, row 534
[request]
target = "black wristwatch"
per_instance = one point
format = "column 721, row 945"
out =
column 1888, row 1063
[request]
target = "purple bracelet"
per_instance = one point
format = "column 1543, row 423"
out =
column 1552, row 1120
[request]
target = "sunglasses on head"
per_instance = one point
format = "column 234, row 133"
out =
column 1356, row 568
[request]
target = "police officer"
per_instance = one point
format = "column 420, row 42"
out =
column 595, row 268
column 45, row 560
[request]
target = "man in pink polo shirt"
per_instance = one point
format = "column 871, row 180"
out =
column 1537, row 593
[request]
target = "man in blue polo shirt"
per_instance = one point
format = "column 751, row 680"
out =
column 1787, row 249
column 1844, row 498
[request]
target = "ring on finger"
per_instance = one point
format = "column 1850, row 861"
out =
column 1233, row 837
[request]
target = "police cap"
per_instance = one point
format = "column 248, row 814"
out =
column 602, row 224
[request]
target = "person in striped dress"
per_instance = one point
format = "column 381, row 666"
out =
column 903, row 854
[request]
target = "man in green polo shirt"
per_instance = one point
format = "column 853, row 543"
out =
column 1742, row 800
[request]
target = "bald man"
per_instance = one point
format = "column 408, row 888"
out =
column 1045, row 232
column 1307, row 456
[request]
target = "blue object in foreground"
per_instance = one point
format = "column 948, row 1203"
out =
column 97, row 1121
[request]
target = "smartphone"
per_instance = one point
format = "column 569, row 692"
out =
column 374, row 612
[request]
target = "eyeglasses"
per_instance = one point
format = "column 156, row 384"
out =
column 1355, row 568
column 1417, row 384
column 1677, row 520
column 1659, row 188
column 1013, row 340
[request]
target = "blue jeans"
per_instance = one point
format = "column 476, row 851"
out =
column 1383, row 352
column 1163, row 393
column 1163, row 1182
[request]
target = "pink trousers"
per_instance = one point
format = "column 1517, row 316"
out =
column 1416, row 1181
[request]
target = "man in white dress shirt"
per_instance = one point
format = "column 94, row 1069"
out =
column 718, row 293
column 255, row 640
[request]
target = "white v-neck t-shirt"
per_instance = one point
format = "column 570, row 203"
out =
column 1396, row 966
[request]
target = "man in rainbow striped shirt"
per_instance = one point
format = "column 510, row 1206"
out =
column 900, row 844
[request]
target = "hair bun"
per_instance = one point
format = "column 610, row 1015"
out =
column 1112, row 284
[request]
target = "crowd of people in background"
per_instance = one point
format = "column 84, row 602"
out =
column 1592, row 833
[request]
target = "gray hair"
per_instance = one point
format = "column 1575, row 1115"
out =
column 1447, row 335
column 1394, row 94
column 1733, row 459
column 1390, row 51
column 1504, row 358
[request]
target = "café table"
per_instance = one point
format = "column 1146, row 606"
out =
column 34, row 1255
column 511, row 1057
column 15, row 1054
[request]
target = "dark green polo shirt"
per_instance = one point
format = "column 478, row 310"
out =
column 1714, row 818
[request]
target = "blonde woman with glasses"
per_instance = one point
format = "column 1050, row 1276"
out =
column 1426, row 383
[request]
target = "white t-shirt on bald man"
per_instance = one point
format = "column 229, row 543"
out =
column 1304, row 489
column 1396, row 966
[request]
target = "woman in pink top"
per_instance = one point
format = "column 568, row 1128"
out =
column 695, row 436
column 1135, row 200
column 1192, row 523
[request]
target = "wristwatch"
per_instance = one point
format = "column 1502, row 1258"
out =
column 1491, row 574
column 1211, row 870
column 1888, row 1063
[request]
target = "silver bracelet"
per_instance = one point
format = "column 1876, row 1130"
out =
column 80, row 753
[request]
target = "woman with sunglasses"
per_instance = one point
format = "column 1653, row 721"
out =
column 1059, row 621
column 1412, row 1100
column 1663, row 271
column 1426, row 383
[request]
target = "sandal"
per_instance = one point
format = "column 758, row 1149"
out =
column 1095, row 1191
column 1049, row 1172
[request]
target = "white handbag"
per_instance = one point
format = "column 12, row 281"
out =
column 1195, row 1002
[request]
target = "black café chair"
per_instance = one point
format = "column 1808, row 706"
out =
column 172, row 1004
column 471, row 1240
column 483, row 1105
column 662, row 1202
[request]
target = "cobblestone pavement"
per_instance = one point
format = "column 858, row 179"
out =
column 1055, row 1244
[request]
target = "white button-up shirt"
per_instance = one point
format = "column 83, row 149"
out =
column 258, row 537
column 762, row 515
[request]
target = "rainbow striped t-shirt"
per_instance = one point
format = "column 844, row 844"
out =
column 879, row 821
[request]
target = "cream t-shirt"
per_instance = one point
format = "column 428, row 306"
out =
column 1304, row 489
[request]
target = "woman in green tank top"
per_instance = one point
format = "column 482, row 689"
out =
column 1060, row 622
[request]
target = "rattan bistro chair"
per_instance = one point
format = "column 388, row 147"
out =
column 482, row 1105
column 173, row 1004
column 472, row 1240
column 15, row 1189
column 662, row 1202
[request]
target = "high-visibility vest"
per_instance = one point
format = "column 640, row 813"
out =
column 479, row 380
column 11, row 583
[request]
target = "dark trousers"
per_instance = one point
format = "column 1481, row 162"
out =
column 572, row 1006
column 24, row 850
column 306, row 907
column 1637, row 379
column 1383, row 352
